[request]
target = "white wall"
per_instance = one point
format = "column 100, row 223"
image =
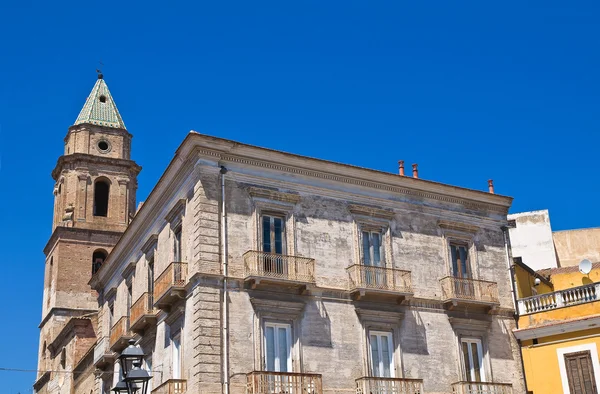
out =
column 531, row 239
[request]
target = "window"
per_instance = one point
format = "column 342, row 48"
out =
column 151, row 283
column 382, row 354
column 580, row 373
column 176, row 348
column 278, row 347
column 463, row 287
column 63, row 358
column 129, row 301
column 273, row 243
column 372, row 249
column 111, row 314
column 177, row 244
column 273, row 230
column 459, row 254
column 98, row 258
column 472, row 354
column 101, row 193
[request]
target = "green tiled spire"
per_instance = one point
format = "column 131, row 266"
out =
column 100, row 108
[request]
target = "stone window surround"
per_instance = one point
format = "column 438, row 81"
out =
column 275, row 311
column 271, row 202
column 368, row 218
column 380, row 320
column 473, row 329
column 460, row 233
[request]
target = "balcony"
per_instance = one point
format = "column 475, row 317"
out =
column 366, row 279
column 481, row 388
column 170, row 285
column 464, row 291
column 171, row 386
column 120, row 335
column 559, row 299
column 262, row 382
column 103, row 356
column 367, row 385
column 142, row 313
column 279, row 269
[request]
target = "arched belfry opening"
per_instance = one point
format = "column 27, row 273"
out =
column 101, row 193
column 98, row 259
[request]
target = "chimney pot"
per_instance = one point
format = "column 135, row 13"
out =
column 491, row 186
column 401, row 167
column 415, row 170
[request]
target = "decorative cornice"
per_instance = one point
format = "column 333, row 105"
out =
column 371, row 211
column 149, row 244
column 128, row 270
column 368, row 315
column 270, row 194
column 466, row 324
column 262, row 305
column 457, row 226
column 78, row 158
column 110, row 294
column 177, row 210
column 227, row 157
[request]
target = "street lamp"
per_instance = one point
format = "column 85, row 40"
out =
column 137, row 379
column 130, row 355
column 120, row 388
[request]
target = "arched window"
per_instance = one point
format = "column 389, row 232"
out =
column 101, row 192
column 97, row 260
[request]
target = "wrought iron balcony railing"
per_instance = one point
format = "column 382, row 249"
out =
column 119, row 334
column 262, row 382
column 263, row 265
column 173, row 279
column 481, row 388
column 171, row 386
column 560, row 299
column 370, row 385
column 470, row 290
column 379, row 278
column 142, row 312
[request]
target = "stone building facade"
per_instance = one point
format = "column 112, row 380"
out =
column 249, row 270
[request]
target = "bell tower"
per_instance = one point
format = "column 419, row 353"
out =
column 94, row 201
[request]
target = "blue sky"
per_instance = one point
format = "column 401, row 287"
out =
column 469, row 90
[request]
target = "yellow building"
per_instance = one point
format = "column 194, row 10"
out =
column 559, row 328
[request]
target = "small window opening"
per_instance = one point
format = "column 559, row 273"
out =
column 103, row 145
column 101, row 191
column 63, row 359
column 97, row 260
column 102, row 98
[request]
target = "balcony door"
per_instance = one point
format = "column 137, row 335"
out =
column 472, row 353
column 463, row 287
column 176, row 345
column 273, row 244
column 382, row 354
column 372, row 257
column 278, row 358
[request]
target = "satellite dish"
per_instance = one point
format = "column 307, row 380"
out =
column 585, row 266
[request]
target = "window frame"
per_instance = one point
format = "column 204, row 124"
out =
column 285, row 210
column 176, row 335
column 457, row 243
column 560, row 352
column 272, row 240
column 391, row 348
column 482, row 359
column 288, row 326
